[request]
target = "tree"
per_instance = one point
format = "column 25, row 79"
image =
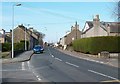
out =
column 116, row 10
column 40, row 34
column 119, row 10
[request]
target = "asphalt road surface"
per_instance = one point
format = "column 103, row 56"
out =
column 54, row 66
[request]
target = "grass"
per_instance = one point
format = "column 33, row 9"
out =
column 4, row 55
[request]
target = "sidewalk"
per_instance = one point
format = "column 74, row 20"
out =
column 94, row 58
column 20, row 58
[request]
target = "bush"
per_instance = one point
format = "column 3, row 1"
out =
column 6, row 47
column 95, row 45
column 17, row 46
column 21, row 45
column 27, row 43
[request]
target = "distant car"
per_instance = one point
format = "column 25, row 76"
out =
column 38, row 49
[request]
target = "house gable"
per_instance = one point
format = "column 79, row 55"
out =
column 19, row 34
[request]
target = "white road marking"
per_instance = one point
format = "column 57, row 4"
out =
column 93, row 60
column 58, row 59
column 11, row 70
column 102, row 74
column 50, row 52
column 97, row 61
column 71, row 64
column 52, row 55
column 28, row 65
column 101, row 62
column 38, row 78
column 23, row 65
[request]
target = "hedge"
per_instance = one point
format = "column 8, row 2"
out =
column 17, row 46
column 95, row 45
column 27, row 43
column 6, row 47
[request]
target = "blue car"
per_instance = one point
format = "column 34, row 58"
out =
column 38, row 49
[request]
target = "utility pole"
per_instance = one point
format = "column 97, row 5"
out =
column 76, row 29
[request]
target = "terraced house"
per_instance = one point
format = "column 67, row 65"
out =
column 31, row 37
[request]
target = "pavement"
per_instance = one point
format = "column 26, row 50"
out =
column 95, row 58
column 25, row 56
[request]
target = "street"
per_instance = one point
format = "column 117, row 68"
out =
column 55, row 66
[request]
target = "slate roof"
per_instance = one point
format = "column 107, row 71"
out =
column 114, row 26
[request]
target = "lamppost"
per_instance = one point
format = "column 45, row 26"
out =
column 13, row 28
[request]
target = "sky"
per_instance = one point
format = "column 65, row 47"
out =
column 54, row 19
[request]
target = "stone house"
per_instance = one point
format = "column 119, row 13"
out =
column 5, row 36
column 2, row 36
column 19, row 34
column 36, row 35
column 62, row 41
column 74, row 34
column 99, row 28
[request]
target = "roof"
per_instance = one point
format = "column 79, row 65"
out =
column 27, row 30
column 114, row 26
column 2, row 30
column 90, row 24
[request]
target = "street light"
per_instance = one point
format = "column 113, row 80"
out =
column 13, row 28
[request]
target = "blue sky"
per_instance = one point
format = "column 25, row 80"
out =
column 55, row 18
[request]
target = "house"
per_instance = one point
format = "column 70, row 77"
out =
column 74, row 34
column 62, row 41
column 37, row 35
column 31, row 37
column 2, row 36
column 0, row 43
column 99, row 28
column 8, row 36
column 5, row 36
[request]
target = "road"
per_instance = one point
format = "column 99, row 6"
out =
column 55, row 66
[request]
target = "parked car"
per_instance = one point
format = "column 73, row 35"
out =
column 38, row 49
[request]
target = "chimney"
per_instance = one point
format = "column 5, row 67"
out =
column 10, row 30
column 96, row 21
column 96, row 25
column 72, row 28
column 31, row 29
column 96, row 18
column 76, row 25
